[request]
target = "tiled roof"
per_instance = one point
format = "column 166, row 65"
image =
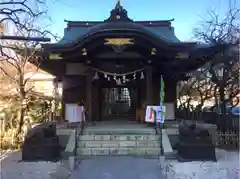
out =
column 74, row 33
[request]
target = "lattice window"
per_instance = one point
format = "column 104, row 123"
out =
column 125, row 95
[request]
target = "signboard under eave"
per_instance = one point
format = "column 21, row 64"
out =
column 118, row 41
column 55, row 56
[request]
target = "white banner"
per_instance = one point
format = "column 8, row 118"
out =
column 74, row 113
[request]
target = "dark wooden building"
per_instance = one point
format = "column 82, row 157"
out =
column 115, row 65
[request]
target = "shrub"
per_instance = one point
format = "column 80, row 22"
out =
column 8, row 140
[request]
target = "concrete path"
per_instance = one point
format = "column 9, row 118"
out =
column 120, row 167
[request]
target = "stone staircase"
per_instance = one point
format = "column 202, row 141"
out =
column 130, row 139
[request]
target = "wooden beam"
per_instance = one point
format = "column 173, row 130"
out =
column 37, row 39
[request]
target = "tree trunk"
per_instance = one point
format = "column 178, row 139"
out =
column 22, row 109
column 22, row 95
column 222, row 109
column 21, row 119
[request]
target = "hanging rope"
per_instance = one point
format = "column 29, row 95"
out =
column 117, row 74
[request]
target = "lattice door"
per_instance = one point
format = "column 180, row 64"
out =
column 116, row 103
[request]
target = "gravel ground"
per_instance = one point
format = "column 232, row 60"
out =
column 227, row 167
column 12, row 168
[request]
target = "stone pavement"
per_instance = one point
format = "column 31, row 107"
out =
column 119, row 167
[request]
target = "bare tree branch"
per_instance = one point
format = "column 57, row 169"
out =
column 23, row 18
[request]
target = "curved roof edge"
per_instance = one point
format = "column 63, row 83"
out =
column 73, row 35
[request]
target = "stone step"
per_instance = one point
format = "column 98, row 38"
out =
column 119, row 144
column 118, row 151
column 90, row 137
column 120, row 131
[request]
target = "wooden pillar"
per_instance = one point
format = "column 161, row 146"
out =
column 170, row 98
column 55, row 101
column 149, row 85
column 100, row 99
column 95, row 100
column 63, row 112
column 89, row 96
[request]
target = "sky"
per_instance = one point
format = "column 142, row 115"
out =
column 187, row 14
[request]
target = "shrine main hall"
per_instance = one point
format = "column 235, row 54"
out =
column 114, row 66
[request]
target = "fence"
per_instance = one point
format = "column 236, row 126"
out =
column 227, row 139
column 231, row 122
column 208, row 117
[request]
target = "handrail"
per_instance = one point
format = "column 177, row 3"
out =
column 158, row 129
column 78, row 132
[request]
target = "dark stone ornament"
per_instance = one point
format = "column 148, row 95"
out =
column 195, row 143
column 41, row 143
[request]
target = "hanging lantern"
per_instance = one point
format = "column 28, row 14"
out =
column 115, row 78
column 105, row 75
column 96, row 77
column 142, row 76
column 108, row 78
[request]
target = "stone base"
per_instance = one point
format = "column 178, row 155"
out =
column 195, row 152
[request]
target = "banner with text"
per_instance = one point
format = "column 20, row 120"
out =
column 155, row 113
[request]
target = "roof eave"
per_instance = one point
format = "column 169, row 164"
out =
column 57, row 46
column 209, row 49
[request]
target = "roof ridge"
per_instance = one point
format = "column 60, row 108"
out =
column 166, row 23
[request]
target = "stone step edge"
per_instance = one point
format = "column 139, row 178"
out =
column 118, row 147
column 112, row 140
column 119, row 133
column 114, row 144
column 86, row 157
column 118, row 151
column 119, row 138
column 93, row 134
